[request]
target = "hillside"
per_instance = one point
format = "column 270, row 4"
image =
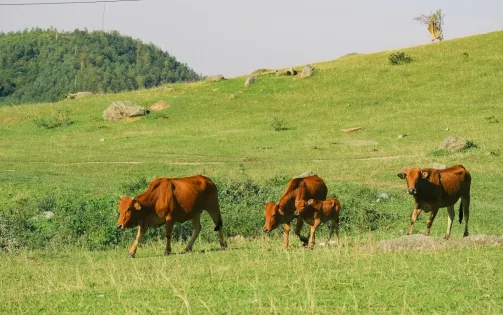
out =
column 75, row 260
column 44, row 65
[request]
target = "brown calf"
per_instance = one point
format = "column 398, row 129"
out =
column 304, row 188
column 315, row 212
column 438, row 188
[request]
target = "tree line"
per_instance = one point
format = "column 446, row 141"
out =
column 44, row 65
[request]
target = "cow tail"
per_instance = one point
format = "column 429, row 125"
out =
column 219, row 224
column 461, row 212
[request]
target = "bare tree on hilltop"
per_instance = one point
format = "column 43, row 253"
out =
column 435, row 23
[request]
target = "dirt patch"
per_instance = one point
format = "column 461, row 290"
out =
column 420, row 242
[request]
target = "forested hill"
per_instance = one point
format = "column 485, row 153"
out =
column 44, row 65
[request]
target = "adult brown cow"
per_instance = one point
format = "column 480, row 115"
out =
column 315, row 212
column 438, row 188
column 170, row 200
column 305, row 188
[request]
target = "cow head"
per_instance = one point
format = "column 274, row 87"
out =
column 274, row 216
column 128, row 208
column 301, row 205
column 413, row 176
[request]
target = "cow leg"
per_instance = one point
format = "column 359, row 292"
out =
column 214, row 212
column 450, row 218
column 142, row 228
column 298, row 229
column 196, row 228
column 433, row 214
column 415, row 213
column 312, row 232
column 169, row 230
column 466, row 212
column 331, row 230
column 336, row 223
column 286, row 234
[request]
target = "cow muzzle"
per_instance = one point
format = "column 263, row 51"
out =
column 267, row 230
column 120, row 226
column 412, row 191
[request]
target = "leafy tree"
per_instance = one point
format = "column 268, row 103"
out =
column 43, row 65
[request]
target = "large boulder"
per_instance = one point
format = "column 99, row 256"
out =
column 453, row 143
column 307, row 71
column 251, row 80
column 122, row 110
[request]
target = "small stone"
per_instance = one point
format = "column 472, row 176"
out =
column 307, row 71
column 102, row 140
column 48, row 214
column 215, row 78
column 251, row 80
column 446, row 129
column 351, row 129
column 402, row 136
column 439, row 166
column 382, row 196
column 453, row 143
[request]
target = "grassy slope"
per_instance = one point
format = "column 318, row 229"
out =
column 211, row 133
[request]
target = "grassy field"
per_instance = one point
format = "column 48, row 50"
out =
column 255, row 277
column 225, row 131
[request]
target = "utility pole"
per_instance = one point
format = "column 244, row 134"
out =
column 103, row 17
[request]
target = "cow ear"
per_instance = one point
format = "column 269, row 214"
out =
column 402, row 175
column 425, row 174
column 310, row 202
column 136, row 205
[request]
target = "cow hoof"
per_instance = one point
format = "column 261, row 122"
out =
column 167, row 253
column 223, row 244
column 187, row 250
column 131, row 255
column 465, row 234
column 446, row 237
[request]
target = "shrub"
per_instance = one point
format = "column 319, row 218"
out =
column 278, row 124
column 399, row 58
column 60, row 118
column 89, row 222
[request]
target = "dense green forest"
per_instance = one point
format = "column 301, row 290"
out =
column 43, row 65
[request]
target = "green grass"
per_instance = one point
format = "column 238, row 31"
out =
column 225, row 131
column 254, row 277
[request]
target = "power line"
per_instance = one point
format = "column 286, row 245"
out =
column 67, row 2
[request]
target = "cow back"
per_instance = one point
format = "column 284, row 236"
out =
column 310, row 187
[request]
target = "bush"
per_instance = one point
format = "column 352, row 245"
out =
column 278, row 124
column 60, row 118
column 399, row 58
column 90, row 222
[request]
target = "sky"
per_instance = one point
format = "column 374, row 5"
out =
column 235, row 37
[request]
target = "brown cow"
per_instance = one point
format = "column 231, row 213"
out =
column 170, row 200
column 310, row 187
column 315, row 212
column 438, row 188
